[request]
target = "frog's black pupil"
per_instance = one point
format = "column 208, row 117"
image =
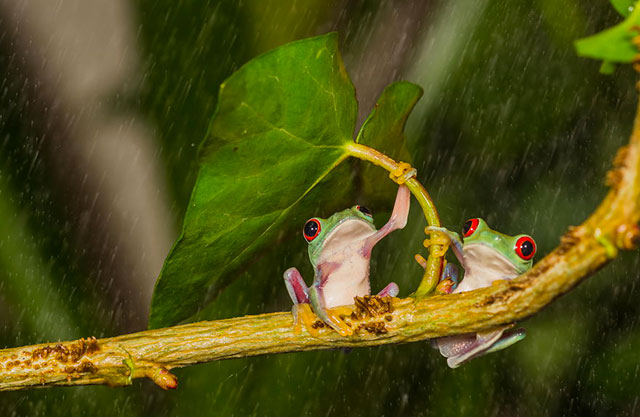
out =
column 526, row 248
column 310, row 229
column 466, row 227
column 365, row 211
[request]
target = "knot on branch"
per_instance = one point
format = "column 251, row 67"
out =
column 615, row 174
column 162, row 377
column 627, row 236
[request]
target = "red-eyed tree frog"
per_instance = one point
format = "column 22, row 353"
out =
column 486, row 256
column 340, row 250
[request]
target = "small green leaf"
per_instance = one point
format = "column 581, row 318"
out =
column 624, row 7
column 280, row 128
column 614, row 44
column 384, row 130
column 607, row 67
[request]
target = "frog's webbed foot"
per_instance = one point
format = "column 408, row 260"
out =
column 438, row 237
column 462, row 348
column 402, row 173
column 441, row 238
column 304, row 316
column 330, row 316
column 449, row 280
column 420, row 260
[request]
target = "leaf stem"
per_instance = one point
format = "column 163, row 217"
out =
column 434, row 263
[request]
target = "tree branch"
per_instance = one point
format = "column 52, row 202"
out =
column 116, row 361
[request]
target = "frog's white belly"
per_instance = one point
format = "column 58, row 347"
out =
column 349, row 279
column 483, row 266
column 347, row 267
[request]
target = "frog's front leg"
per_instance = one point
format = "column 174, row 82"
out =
column 445, row 237
column 299, row 293
column 398, row 220
column 296, row 286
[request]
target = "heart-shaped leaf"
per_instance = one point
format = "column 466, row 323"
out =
column 280, row 130
column 384, row 131
column 280, row 127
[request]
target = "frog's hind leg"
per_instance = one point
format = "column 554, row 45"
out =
column 391, row 290
column 329, row 316
column 508, row 338
column 463, row 348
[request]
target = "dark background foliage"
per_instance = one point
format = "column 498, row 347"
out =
column 513, row 127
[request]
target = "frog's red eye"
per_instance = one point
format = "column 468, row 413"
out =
column 469, row 227
column 525, row 247
column 365, row 211
column 311, row 229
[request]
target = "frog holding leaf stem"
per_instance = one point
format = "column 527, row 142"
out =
column 340, row 251
column 486, row 256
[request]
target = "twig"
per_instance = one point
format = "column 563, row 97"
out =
column 434, row 262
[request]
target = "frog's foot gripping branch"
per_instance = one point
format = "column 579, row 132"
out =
column 441, row 239
column 299, row 293
column 309, row 309
column 438, row 239
column 306, row 301
column 314, row 316
column 449, row 279
column 403, row 173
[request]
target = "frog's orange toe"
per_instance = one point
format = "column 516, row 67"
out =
column 304, row 317
column 420, row 260
column 402, row 173
column 337, row 322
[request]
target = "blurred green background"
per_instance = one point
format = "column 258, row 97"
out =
column 101, row 113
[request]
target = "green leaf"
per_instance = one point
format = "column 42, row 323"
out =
column 614, row 44
column 607, row 67
column 624, row 7
column 384, row 130
column 280, row 127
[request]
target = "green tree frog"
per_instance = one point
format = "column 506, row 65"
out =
column 340, row 250
column 486, row 256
